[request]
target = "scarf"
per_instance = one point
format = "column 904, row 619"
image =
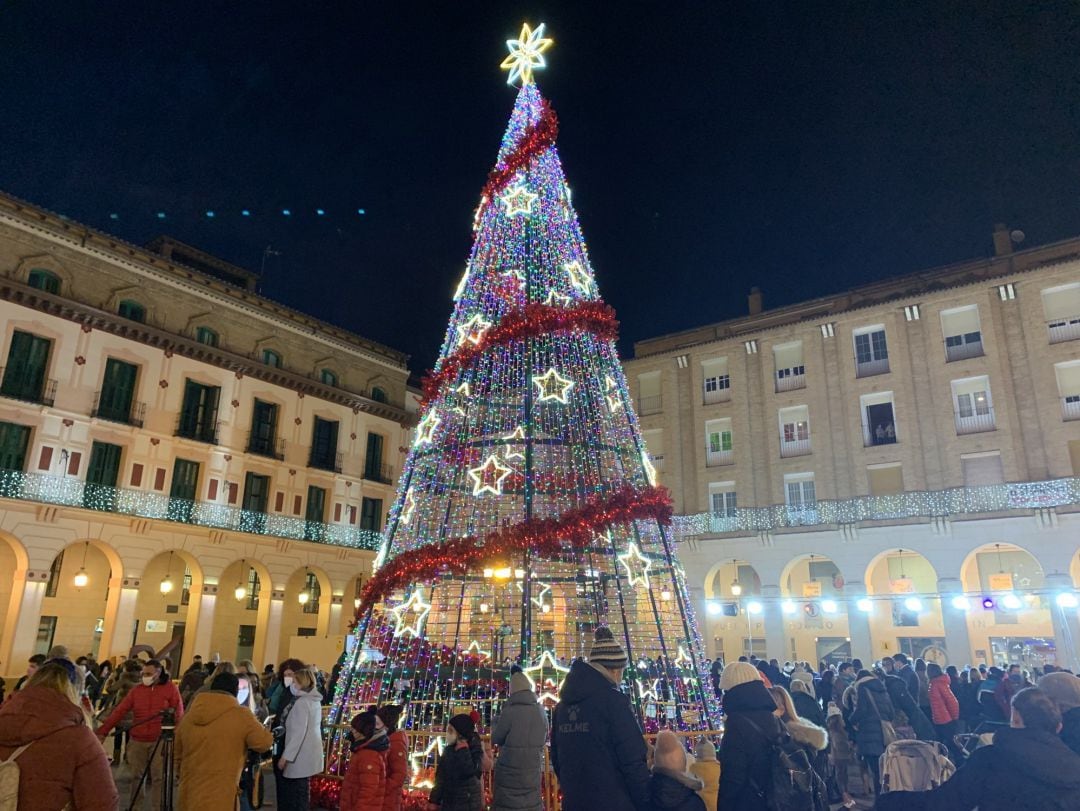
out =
column 378, row 742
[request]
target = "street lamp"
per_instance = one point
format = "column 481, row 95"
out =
column 166, row 581
column 82, row 578
column 240, row 592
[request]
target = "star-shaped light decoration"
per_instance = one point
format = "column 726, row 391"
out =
column 519, row 200
column 464, row 389
column 380, row 558
column 474, row 647
column 473, row 330
column 461, row 285
column 421, row 756
column 683, row 658
column 652, row 692
column 516, row 436
column 636, row 564
column 547, row 663
column 489, row 477
column 578, row 276
column 408, row 507
column 538, row 601
column 611, row 394
column 410, row 615
column 526, row 53
column 555, row 299
column 553, row 386
column 425, row 429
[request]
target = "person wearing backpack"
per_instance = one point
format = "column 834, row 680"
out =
column 872, row 718
column 751, row 730
column 49, row 755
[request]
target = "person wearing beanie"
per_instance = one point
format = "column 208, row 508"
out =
column 211, row 745
column 457, row 777
column 707, row 769
column 397, row 762
column 597, row 749
column 520, row 732
column 805, row 704
column 1064, row 689
column 672, row 787
column 365, row 777
column 750, row 731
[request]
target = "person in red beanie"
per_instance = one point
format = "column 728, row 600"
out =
column 365, row 778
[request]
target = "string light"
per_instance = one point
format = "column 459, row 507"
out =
column 636, row 564
column 415, row 609
column 526, row 54
column 489, row 477
column 553, row 386
column 519, row 200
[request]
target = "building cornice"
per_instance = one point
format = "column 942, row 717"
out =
column 83, row 239
column 170, row 343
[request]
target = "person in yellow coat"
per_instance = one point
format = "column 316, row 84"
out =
column 707, row 769
column 211, row 746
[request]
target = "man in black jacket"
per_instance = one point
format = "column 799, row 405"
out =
column 597, row 748
column 906, row 672
column 903, row 700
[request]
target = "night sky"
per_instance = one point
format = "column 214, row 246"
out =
column 804, row 147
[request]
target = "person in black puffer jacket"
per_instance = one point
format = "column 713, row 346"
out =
column 1027, row 768
column 749, row 730
column 457, row 777
column 1064, row 689
column 597, row 748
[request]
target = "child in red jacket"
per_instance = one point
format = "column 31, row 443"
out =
column 365, row 779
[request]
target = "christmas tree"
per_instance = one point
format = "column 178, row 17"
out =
column 527, row 513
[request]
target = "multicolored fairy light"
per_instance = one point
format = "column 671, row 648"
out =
column 636, row 564
column 410, row 615
column 519, row 200
column 553, row 386
column 526, row 54
column 489, row 477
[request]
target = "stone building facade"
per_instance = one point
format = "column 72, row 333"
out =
column 857, row 474
column 184, row 464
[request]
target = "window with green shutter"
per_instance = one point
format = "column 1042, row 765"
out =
column 132, row 309
column 256, row 497
column 102, row 474
column 315, row 516
column 44, row 280
column 198, row 414
column 183, row 490
column 324, row 437
column 117, row 391
column 27, row 364
column 328, row 377
column 205, row 335
column 373, row 458
column 271, row 358
column 14, row 440
column 371, row 514
column 263, row 437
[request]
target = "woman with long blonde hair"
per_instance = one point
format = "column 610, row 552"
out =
column 47, row 732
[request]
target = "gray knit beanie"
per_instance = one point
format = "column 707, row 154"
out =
column 605, row 651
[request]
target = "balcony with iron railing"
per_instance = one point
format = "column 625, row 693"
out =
column 16, row 384
column 72, row 492
column 906, row 506
column 325, row 461
column 791, row 382
column 112, row 409
column 1064, row 329
column 878, row 435
column 869, row 368
column 975, row 422
column 1070, row 407
column 650, row 404
column 794, row 447
column 716, row 396
column 962, row 351
column 269, row 447
column 199, row 430
column 718, row 458
column 379, row 472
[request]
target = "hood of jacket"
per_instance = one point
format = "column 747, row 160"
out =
column 34, row 712
column 749, row 697
column 582, row 683
column 802, row 731
column 1041, row 756
column 311, row 695
column 669, row 787
column 525, row 697
column 208, row 706
column 871, row 683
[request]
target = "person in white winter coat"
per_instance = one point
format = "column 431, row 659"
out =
column 520, row 733
column 303, row 753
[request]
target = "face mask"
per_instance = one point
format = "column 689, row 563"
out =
column 1015, row 678
column 288, row 681
column 148, row 681
column 295, row 690
column 81, row 669
column 242, row 696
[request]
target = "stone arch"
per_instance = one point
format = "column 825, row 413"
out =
column 815, row 609
column 239, row 624
column 905, row 612
column 1018, row 627
column 168, row 621
column 719, row 580
column 305, row 619
column 820, row 568
column 14, row 560
column 82, row 613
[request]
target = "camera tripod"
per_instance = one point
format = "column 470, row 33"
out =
column 168, row 770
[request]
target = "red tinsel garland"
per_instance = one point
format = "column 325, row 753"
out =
column 535, row 139
column 546, row 537
column 530, row 321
